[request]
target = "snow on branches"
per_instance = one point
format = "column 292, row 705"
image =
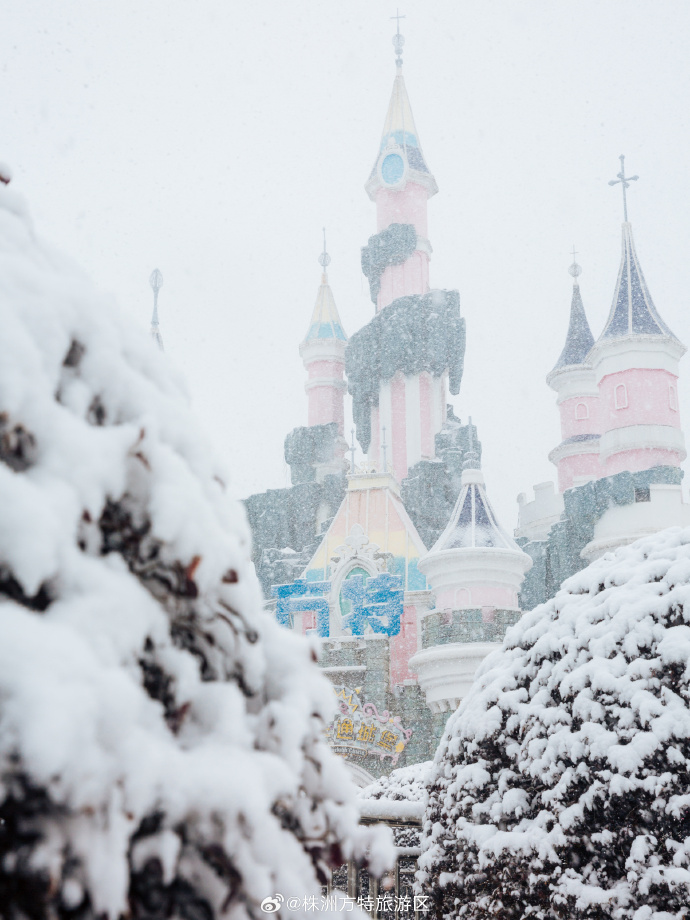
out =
column 162, row 745
column 561, row 788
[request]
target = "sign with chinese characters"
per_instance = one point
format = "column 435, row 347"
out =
column 359, row 727
column 302, row 596
column 376, row 602
column 372, row 601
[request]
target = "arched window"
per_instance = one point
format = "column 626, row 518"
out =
column 620, row 396
column 672, row 398
column 581, row 411
column 341, row 606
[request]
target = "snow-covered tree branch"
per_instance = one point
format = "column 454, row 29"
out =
column 162, row 745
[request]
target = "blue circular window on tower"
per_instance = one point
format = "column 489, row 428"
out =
column 392, row 168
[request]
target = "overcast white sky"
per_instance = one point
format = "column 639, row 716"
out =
column 213, row 140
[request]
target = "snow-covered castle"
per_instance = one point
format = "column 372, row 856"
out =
column 399, row 565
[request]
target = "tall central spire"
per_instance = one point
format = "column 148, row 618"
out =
column 400, row 159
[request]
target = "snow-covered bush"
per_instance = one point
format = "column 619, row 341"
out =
column 162, row 747
column 406, row 784
column 561, row 788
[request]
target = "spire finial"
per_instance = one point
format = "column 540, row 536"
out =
column 625, row 182
column 575, row 270
column 398, row 39
column 156, row 282
column 471, row 461
column 324, row 258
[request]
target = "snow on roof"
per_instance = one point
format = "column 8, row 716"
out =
column 140, row 681
column 579, row 339
column 588, row 703
column 632, row 311
column 473, row 522
column 325, row 321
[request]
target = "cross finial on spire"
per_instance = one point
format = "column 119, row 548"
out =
column 324, row 258
column 575, row 270
column 471, row 461
column 625, row 182
column 398, row 39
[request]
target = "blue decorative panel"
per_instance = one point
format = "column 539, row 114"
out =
column 377, row 603
column 300, row 596
column 415, row 580
column 392, row 168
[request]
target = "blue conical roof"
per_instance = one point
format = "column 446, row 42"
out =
column 579, row 339
column 325, row 321
column 632, row 311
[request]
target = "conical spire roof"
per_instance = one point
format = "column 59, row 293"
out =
column 473, row 523
column 579, row 339
column 399, row 127
column 325, row 321
column 632, row 311
column 400, row 130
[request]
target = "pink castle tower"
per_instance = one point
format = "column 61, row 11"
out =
column 323, row 355
column 635, row 362
column 411, row 407
column 573, row 379
column 401, row 184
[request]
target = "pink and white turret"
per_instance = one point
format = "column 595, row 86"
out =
column 577, row 456
column 411, row 407
column 401, row 184
column 323, row 355
column 635, row 362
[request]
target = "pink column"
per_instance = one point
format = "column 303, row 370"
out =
column 406, row 206
column 325, row 393
column 571, row 469
column 374, row 446
column 426, row 415
column 403, row 647
column 398, row 435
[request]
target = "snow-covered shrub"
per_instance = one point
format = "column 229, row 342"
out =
column 561, row 788
column 406, row 784
column 162, row 747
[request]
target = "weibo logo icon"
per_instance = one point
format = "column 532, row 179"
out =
column 272, row 905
